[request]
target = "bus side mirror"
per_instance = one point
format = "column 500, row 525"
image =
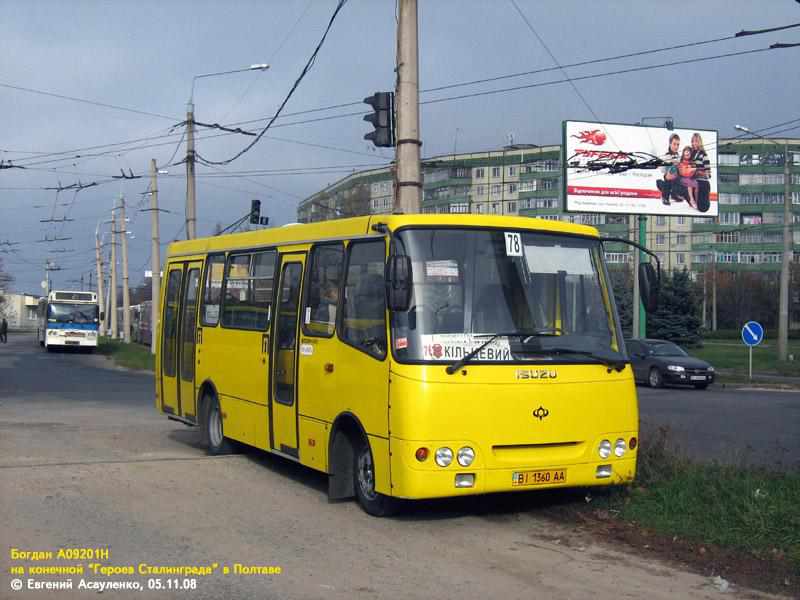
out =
column 398, row 282
column 649, row 284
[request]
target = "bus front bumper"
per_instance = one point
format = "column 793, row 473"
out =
column 414, row 484
column 71, row 341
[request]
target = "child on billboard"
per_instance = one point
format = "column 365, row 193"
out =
column 687, row 170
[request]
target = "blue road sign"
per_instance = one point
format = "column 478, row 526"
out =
column 752, row 333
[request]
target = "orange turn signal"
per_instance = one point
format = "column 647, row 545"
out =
column 421, row 454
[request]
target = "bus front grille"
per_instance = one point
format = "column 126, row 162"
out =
column 537, row 454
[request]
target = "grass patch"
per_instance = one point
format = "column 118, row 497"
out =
column 733, row 355
column 735, row 507
column 130, row 356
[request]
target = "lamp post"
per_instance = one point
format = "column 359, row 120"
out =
column 786, row 261
column 191, row 200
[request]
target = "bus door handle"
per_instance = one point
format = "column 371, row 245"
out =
column 264, row 343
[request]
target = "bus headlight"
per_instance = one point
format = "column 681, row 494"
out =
column 444, row 456
column 465, row 456
column 605, row 449
column 620, row 448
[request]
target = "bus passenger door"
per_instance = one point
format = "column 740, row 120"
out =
column 188, row 331
column 169, row 340
column 283, row 400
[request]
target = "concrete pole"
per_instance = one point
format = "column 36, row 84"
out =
column 191, row 201
column 636, row 300
column 155, row 252
column 642, row 332
column 786, row 262
column 98, row 257
column 409, row 172
column 714, row 296
column 705, row 297
column 113, row 287
column 126, row 292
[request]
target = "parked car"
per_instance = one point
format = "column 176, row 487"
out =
column 659, row 362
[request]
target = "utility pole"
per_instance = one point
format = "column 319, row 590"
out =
column 81, row 281
column 191, row 201
column 126, row 292
column 409, row 172
column 705, row 297
column 636, row 300
column 786, row 263
column 714, row 295
column 786, row 259
column 155, row 266
column 113, row 286
column 47, row 277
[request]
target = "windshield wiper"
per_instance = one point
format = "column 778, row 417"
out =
column 612, row 362
column 493, row 336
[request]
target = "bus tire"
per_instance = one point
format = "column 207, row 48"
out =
column 373, row 503
column 213, row 436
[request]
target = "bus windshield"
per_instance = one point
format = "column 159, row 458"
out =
column 545, row 294
column 72, row 313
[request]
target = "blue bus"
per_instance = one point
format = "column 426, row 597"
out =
column 69, row 319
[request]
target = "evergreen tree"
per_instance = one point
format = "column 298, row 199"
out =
column 622, row 282
column 677, row 317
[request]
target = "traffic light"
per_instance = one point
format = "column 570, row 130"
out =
column 382, row 119
column 255, row 211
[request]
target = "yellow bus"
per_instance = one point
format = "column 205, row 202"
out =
column 406, row 356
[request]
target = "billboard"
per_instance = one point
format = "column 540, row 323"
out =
column 632, row 169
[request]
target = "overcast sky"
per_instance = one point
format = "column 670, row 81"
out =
column 143, row 56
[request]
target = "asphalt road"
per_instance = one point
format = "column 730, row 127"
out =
column 734, row 426
column 85, row 461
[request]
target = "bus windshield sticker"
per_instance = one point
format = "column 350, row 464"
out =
column 441, row 269
column 552, row 259
column 453, row 346
column 212, row 313
column 308, row 315
column 513, row 244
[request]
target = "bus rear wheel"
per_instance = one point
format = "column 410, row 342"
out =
column 213, row 434
column 373, row 503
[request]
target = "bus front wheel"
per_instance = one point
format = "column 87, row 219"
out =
column 373, row 503
column 214, row 437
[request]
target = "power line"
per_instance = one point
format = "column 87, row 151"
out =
column 253, row 81
column 599, row 75
column 302, row 75
column 434, row 89
column 85, row 101
column 584, row 63
column 555, row 60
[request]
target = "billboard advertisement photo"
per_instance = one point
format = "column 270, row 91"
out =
column 633, row 169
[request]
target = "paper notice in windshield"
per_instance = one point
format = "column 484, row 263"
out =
column 453, row 346
column 435, row 269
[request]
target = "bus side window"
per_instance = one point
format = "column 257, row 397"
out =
column 171, row 322
column 212, row 290
column 248, row 290
column 322, row 291
column 364, row 309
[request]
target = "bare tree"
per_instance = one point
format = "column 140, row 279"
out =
column 5, row 281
